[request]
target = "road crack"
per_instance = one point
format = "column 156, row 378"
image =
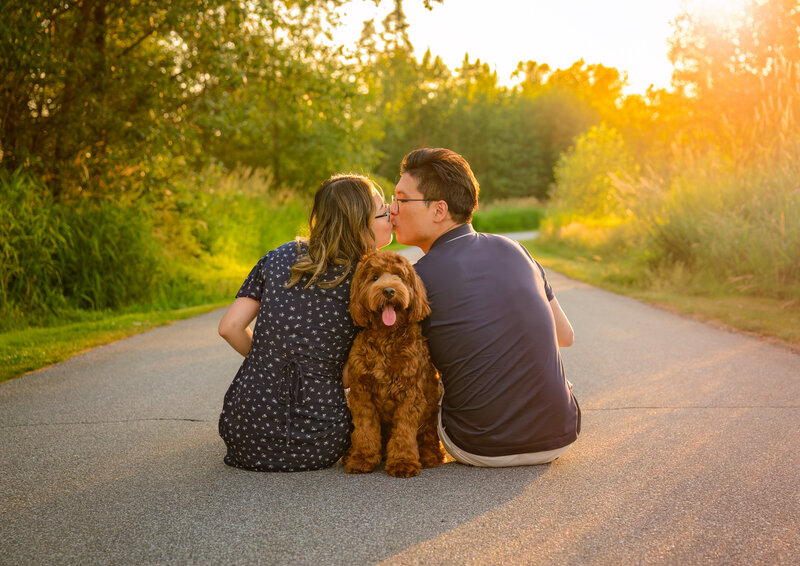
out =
column 121, row 421
column 677, row 408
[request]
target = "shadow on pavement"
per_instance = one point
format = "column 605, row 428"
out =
column 187, row 506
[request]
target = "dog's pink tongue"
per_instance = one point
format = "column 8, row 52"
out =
column 388, row 315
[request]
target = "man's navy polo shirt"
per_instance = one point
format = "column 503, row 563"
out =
column 493, row 339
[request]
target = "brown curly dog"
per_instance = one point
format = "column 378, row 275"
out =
column 394, row 388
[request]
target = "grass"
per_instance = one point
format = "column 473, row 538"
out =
column 510, row 215
column 75, row 275
column 30, row 349
column 766, row 317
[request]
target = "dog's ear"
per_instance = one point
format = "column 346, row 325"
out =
column 419, row 308
column 358, row 312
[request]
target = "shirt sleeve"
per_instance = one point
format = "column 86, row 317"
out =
column 253, row 286
column 548, row 290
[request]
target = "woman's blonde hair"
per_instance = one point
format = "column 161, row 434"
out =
column 339, row 224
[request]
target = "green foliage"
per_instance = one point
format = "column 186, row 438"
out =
column 109, row 258
column 717, row 206
column 511, row 215
column 739, row 226
column 245, row 215
column 512, row 137
column 150, row 153
column 85, row 254
column 31, row 228
column 590, row 178
column 123, row 97
column 99, row 254
column 27, row 349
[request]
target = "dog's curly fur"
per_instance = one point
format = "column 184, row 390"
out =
column 394, row 388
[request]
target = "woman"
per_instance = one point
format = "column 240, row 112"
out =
column 286, row 410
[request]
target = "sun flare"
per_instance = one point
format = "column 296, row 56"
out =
column 718, row 12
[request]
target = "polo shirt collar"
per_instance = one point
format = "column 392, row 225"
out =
column 458, row 232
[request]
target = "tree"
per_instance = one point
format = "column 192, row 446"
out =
column 399, row 92
column 101, row 96
column 726, row 67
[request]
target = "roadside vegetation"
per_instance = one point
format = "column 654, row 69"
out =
column 151, row 153
column 767, row 317
column 29, row 349
column 77, row 276
column 710, row 227
column 509, row 215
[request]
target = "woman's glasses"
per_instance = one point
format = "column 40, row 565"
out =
column 386, row 214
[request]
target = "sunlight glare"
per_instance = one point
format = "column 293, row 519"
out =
column 723, row 13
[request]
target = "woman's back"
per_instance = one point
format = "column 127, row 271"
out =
column 312, row 324
column 288, row 392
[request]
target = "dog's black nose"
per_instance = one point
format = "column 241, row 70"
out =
column 388, row 292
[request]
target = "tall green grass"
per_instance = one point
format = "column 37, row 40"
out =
column 110, row 259
column 509, row 215
column 193, row 244
column 31, row 228
column 723, row 217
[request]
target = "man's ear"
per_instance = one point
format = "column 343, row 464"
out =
column 441, row 211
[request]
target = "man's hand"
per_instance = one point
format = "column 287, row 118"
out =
column 564, row 331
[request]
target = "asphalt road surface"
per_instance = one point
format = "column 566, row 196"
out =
column 690, row 454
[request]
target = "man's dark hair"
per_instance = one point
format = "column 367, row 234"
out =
column 443, row 174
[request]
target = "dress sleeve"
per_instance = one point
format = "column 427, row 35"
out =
column 253, row 286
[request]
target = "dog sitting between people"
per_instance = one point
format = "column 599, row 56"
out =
column 394, row 388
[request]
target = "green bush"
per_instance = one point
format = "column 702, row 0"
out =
column 512, row 215
column 590, row 178
column 93, row 254
column 31, row 230
column 242, row 215
column 110, row 258
column 712, row 216
column 739, row 225
column 193, row 245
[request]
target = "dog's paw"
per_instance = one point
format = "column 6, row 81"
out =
column 403, row 469
column 432, row 458
column 360, row 466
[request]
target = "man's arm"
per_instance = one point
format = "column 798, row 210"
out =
column 564, row 331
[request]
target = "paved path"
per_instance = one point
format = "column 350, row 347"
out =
column 690, row 454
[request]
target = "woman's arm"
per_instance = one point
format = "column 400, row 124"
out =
column 234, row 326
column 564, row 331
column 346, row 375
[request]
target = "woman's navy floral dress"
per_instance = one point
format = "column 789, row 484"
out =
column 286, row 410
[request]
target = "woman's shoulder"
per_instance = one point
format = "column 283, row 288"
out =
column 291, row 247
column 277, row 257
column 288, row 250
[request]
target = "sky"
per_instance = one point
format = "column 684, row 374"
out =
column 630, row 35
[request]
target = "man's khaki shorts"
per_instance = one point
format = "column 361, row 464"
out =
column 530, row 459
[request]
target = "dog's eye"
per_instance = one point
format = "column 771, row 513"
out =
column 375, row 277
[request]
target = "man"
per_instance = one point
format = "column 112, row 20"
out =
column 495, row 326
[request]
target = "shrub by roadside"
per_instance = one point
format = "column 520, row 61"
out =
column 510, row 215
column 190, row 246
